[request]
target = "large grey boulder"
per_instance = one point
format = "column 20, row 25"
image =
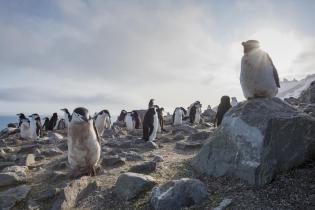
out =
column 10, row 178
column 308, row 95
column 144, row 168
column 178, row 194
column 256, row 140
column 73, row 192
column 11, row 197
column 130, row 185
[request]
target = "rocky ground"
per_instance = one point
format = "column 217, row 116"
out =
column 34, row 174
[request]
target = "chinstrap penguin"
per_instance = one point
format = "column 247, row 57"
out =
column 259, row 77
column 36, row 126
column 45, row 124
column 83, row 143
column 53, row 122
column 25, row 129
column 178, row 115
column 195, row 113
column 102, row 121
column 150, row 124
column 67, row 116
column 21, row 116
column 130, row 124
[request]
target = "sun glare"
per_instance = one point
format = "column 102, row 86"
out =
column 282, row 47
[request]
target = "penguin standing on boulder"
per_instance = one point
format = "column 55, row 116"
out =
column 122, row 116
column 102, row 121
column 179, row 115
column 223, row 107
column 259, row 77
column 36, row 126
column 46, row 122
column 25, row 127
column 67, row 116
column 53, row 122
column 84, row 148
column 129, row 121
column 195, row 113
column 21, row 117
column 150, row 124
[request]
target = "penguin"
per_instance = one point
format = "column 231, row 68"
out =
column 136, row 119
column 178, row 115
column 121, row 117
column 36, row 126
column 102, row 121
column 151, row 103
column 259, row 77
column 61, row 124
column 161, row 119
column 21, row 117
column 195, row 113
column 150, row 124
column 46, row 122
column 67, row 116
column 84, row 147
column 25, row 127
column 52, row 122
column 234, row 101
column 130, row 124
column 223, row 107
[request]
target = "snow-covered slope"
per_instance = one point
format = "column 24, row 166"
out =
column 295, row 87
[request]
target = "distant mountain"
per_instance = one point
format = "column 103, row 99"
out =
column 295, row 87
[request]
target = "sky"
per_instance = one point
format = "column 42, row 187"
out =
column 109, row 54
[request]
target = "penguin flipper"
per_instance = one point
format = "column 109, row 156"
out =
column 275, row 72
column 96, row 132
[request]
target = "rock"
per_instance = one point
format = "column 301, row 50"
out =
column 133, row 156
column 293, row 101
column 144, row 168
column 224, row 204
column 6, row 164
column 258, row 139
column 11, row 197
column 179, row 137
column 308, row 95
column 39, row 157
column 199, row 136
column 178, row 194
column 54, row 138
column 135, row 132
column 184, row 128
column 61, row 165
column 28, row 148
column 29, row 160
column 12, row 158
column 165, row 139
column 18, row 170
column 188, row 144
column 158, row 158
column 51, row 192
column 9, row 178
column 73, row 192
column 3, row 143
column 57, row 176
column 120, row 143
column 109, row 161
column 52, row 152
column 3, row 155
column 150, row 145
column 209, row 115
column 33, row 205
column 130, row 185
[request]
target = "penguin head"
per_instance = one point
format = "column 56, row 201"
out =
column 250, row 45
column 80, row 115
column 65, row 110
column 21, row 116
column 104, row 112
column 25, row 121
column 34, row 116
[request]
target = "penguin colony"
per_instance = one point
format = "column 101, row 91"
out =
column 258, row 78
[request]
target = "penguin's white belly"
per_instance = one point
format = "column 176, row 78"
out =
column 197, row 118
column 129, row 123
column 83, row 152
column 26, row 132
column 57, row 124
column 257, row 78
column 100, row 126
column 178, row 118
column 155, row 127
column 33, row 130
